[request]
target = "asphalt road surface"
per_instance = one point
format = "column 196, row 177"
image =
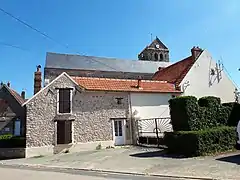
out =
column 11, row 173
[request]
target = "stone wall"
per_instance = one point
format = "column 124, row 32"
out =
column 91, row 114
column 12, row 153
column 51, row 74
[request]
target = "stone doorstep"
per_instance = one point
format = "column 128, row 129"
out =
column 102, row 171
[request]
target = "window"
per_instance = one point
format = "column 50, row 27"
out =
column 17, row 127
column 161, row 57
column 64, row 104
column 118, row 128
column 156, row 56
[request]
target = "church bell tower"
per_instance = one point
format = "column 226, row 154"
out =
column 156, row 51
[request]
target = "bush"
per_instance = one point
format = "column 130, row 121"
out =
column 209, row 101
column 189, row 114
column 183, row 110
column 203, row 142
column 234, row 113
column 9, row 141
column 5, row 136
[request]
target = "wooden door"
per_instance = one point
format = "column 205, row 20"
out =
column 64, row 132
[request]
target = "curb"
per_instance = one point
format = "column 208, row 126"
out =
column 103, row 171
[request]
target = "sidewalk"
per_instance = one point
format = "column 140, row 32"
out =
column 140, row 161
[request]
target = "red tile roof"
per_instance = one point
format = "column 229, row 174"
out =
column 175, row 72
column 124, row 85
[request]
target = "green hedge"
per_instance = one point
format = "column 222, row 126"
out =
column 203, row 142
column 234, row 113
column 5, row 136
column 189, row 114
column 182, row 110
column 9, row 141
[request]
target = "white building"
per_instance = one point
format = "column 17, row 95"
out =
column 199, row 75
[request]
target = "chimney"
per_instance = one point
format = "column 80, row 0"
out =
column 196, row 51
column 8, row 84
column 37, row 80
column 139, row 82
column 23, row 94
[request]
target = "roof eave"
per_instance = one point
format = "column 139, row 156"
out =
column 134, row 91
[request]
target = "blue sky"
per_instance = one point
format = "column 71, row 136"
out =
column 118, row 29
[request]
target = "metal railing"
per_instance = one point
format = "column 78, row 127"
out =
column 153, row 128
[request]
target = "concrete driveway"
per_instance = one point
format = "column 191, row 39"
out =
column 139, row 160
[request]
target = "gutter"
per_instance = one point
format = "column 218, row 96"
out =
column 131, row 119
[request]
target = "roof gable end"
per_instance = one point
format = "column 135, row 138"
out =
column 63, row 74
column 14, row 94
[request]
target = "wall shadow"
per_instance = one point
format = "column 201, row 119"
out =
column 160, row 153
column 231, row 159
column 9, row 158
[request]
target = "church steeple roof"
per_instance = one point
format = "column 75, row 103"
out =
column 155, row 51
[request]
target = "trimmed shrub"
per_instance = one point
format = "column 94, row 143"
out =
column 234, row 113
column 183, row 110
column 209, row 101
column 203, row 142
column 188, row 114
column 9, row 141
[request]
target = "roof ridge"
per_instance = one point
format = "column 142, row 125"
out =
column 91, row 56
column 176, row 63
column 115, row 79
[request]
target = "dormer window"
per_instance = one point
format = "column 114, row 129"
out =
column 65, row 100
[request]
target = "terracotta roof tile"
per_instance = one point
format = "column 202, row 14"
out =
column 175, row 72
column 124, row 85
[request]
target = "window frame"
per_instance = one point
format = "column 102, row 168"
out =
column 58, row 102
column 14, row 126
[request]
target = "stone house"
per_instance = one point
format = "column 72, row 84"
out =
column 82, row 113
column 200, row 75
column 12, row 113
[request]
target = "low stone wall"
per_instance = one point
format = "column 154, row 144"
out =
column 12, row 153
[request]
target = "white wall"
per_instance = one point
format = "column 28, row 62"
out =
column 151, row 105
column 199, row 77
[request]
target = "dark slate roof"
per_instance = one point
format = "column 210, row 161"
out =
column 17, row 96
column 69, row 61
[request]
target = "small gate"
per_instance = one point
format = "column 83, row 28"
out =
column 151, row 131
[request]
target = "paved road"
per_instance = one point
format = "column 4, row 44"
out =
column 49, row 174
